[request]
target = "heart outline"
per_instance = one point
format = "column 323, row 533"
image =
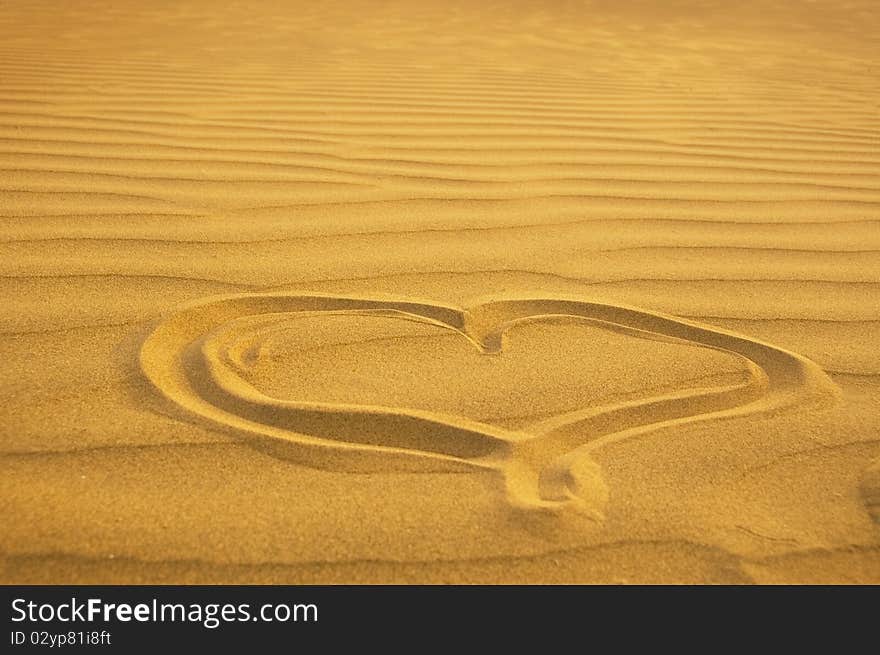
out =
column 549, row 468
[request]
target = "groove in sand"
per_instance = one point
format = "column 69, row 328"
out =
column 190, row 359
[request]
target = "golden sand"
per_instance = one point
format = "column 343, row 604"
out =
column 440, row 292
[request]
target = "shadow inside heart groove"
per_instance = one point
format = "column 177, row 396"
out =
column 528, row 387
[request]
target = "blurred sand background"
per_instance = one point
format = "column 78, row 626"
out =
column 213, row 217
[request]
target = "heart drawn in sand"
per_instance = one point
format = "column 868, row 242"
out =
column 195, row 358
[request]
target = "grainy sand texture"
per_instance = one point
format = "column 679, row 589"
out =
column 440, row 292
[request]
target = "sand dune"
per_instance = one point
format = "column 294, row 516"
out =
column 432, row 292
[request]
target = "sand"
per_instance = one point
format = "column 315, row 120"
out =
column 438, row 292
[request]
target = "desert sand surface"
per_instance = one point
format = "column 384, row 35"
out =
column 440, row 292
